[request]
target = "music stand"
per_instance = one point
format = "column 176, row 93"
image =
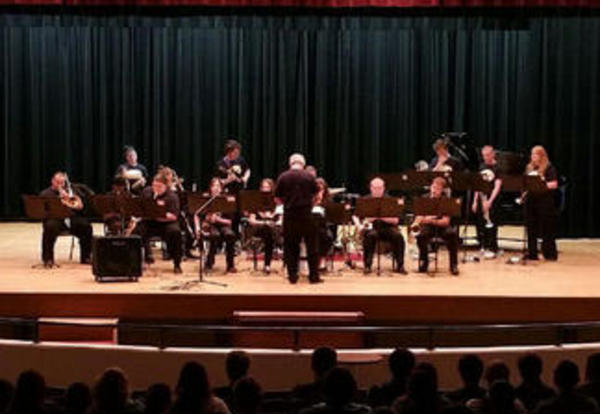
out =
column 523, row 184
column 254, row 201
column 200, row 204
column 109, row 205
column 377, row 208
column 42, row 208
column 441, row 206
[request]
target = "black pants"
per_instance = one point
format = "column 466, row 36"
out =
column 487, row 236
column 298, row 227
column 79, row 228
column 216, row 236
column 541, row 221
column 389, row 234
column 267, row 234
column 325, row 238
column 170, row 232
column 448, row 234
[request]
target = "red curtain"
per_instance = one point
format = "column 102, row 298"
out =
column 315, row 3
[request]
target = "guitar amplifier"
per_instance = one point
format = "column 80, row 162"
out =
column 117, row 258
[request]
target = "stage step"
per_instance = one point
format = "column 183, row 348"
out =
column 103, row 330
column 297, row 338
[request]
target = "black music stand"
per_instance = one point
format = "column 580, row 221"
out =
column 378, row 208
column 42, row 208
column 523, row 184
column 110, row 205
column 442, row 206
column 253, row 202
column 340, row 214
column 200, row 204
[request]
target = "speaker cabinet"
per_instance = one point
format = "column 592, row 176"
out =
column 117, row 258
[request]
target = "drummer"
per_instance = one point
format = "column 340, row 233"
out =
column 135, row 174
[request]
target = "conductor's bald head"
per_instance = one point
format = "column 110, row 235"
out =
column 377, row 187
column 297, row 161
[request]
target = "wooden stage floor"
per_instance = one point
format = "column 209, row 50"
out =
column 485, row 292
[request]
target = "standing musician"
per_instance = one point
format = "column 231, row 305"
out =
column 324, row 230
column 541, row 215
column 232, row 169
column 443, row 161
column 484, row 205
column 431, row 226
column 381, row 228
column 219, row 230
column 76, row 225
column 296, row 189
column 135, row 173
column 167, row 227
column 265, row 225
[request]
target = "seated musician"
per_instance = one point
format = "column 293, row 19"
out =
column 77, row 225
column 485, row 205
column 218, row 228
column 383, row 228
column 113, row 222
column 443, row 161
column 325, row 232
column 440, row 226
column 167, row 227
column 135, row 173
column 175, row 184
column 266, row 225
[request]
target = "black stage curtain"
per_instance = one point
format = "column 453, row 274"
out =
column 356, row 93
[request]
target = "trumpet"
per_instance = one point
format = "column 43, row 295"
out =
column 415, row 228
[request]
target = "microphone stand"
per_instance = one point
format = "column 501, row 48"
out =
column 197, row 213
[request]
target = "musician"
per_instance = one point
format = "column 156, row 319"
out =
column 167, row 227
column 135, row 173
column 441, row 226
column 380, row 228
column 296, row 190
column 541, row 215
column 487, row 232
column 175, row 184
column 265, row 225
column 77, row 225
column 312, row 170
column 232, row 169
column 443, row 161
column 219, row 230
column 325, row 231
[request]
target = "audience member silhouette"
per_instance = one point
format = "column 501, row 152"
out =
column 78, row 398
column 194, row 395
column 568, row 400
column 470, row 368
column 400, row 363
column 29, row 394
column 422, row 396
column 323, row 360
column 591, row 388
column 532, row 390
column 158, row 399
column 6, row 394
column 237, row 365
column 111, row 394
column 247, row 396
column 339, row 392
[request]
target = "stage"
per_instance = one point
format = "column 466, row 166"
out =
column 486, row 292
